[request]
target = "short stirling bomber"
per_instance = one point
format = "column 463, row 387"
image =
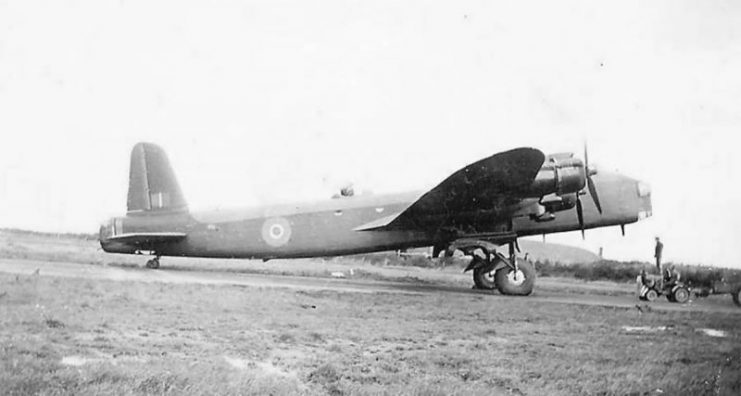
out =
column 487, row 204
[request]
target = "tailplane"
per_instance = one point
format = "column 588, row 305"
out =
column 152, row 183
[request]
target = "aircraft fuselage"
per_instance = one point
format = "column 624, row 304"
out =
column 328, row 228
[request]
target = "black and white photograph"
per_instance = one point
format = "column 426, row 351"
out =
column 370, row 197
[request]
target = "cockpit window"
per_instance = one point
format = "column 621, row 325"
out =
column 644, row 189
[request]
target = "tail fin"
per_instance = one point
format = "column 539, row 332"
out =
column 152, row 183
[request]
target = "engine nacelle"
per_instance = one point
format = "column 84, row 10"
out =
column 561, row 177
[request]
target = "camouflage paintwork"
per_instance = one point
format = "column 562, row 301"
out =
column 331, row 227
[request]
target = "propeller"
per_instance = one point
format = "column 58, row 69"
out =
column 590, row 183
column 589, row 172
column 580, row 215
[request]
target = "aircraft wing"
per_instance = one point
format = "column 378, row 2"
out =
column 147, row 238
column 492, row 184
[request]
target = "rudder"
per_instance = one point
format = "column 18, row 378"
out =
column 152, row 183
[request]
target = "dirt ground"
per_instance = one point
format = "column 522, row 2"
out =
column 79, row 323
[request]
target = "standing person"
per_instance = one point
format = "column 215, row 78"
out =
column 657, row 253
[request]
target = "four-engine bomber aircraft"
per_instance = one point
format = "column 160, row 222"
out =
column 487, row 204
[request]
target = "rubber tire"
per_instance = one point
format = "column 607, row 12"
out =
column 681, row 295
column 525, row 288
column 483, row 280
column 153, row 264
column 651, row 295
column 736, row 296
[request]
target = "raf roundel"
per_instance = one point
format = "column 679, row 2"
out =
column 276, row 231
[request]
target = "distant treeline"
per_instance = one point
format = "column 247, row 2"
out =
column 87, row 237
column 620, row 271
column 606, row 270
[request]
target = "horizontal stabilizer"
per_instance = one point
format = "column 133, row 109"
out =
column 147, row 238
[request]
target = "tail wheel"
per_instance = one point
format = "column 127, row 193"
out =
column 651, row 295
column 484, row 278
column 516, row 283
column 153, row 263
column 681, row 294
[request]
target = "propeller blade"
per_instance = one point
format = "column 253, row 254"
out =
column 590, row 183
column 593, row 193
column 580, row 215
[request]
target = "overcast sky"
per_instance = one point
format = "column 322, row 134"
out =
column 265, row 102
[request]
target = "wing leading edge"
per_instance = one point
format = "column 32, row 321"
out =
column 491, row 184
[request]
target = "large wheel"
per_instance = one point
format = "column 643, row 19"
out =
column 518, row 283
column 681, row 294
column 484, row 278
column 736, row 295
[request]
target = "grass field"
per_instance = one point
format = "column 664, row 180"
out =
column 83, row 336
column 70, row 336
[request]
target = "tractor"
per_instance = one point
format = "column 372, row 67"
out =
column 650, row 287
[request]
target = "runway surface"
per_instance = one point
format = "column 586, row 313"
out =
column 188, row 276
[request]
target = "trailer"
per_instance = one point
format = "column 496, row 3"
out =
column 721, row 287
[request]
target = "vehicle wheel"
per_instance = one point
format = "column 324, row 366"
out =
column 736, row 295
column 484, row 279
column 681, row 295
column 651, row 295
column 153, row 263
column 517, row 284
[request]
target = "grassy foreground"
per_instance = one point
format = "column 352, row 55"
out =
column 76, row 336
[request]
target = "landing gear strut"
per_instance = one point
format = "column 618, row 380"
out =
column 154, row 263
column 508, row 275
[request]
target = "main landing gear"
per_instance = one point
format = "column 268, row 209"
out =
column 154, row 263
column 492, row 270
